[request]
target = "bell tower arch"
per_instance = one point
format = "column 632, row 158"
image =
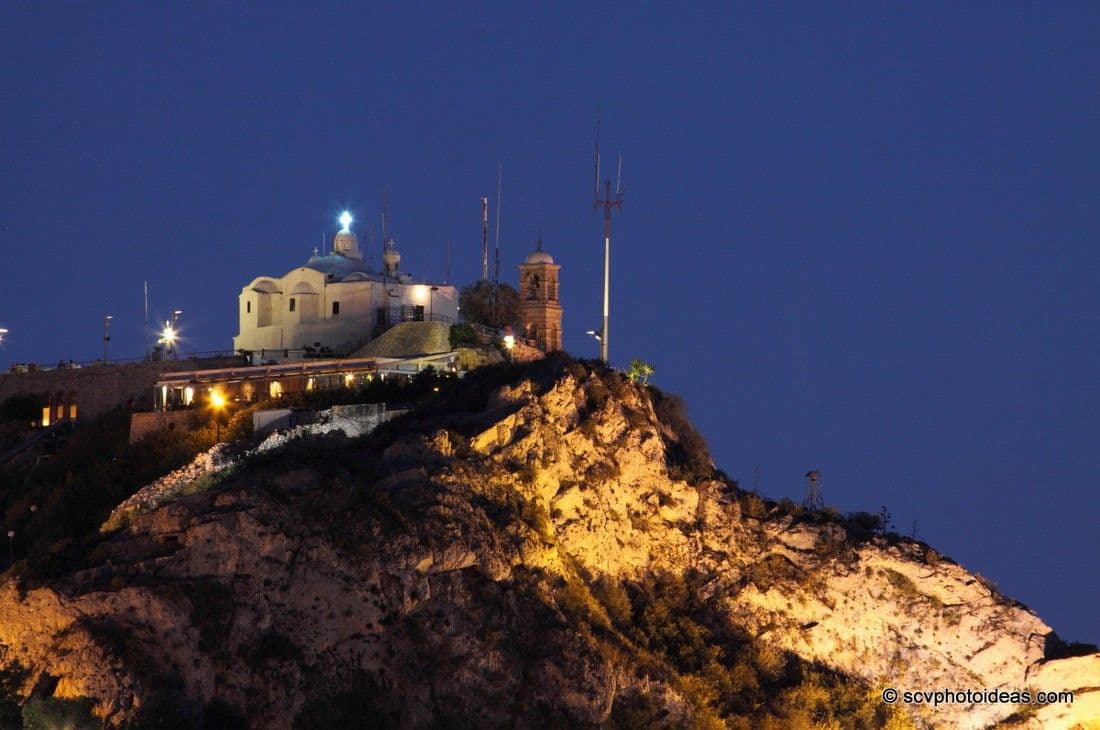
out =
column 539, row 307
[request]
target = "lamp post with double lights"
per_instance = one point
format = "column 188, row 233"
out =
column 598, row 334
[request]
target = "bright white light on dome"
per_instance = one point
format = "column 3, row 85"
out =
column 345, row 221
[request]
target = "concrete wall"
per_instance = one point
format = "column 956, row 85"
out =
column 264, row 422
column 142, row 424
column 96, row 389
column 266, row 322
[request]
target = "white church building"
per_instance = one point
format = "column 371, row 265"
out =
column 335, row 303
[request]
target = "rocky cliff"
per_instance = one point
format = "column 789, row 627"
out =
column 546, row 545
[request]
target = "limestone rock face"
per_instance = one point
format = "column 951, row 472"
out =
column 417, row 567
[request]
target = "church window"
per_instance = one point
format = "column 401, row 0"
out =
column 533, row 288
column 292, row 304
column 335, row 308
column 248, row 307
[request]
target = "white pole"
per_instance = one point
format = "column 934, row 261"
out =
column 606, row 294
column 146, row 320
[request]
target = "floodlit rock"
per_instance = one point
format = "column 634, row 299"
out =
column 484, row 568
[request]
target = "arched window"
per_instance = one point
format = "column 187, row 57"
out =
column 533, row 287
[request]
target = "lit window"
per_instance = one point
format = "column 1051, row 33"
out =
column 275, row 389
column 292, row 304
column 335, row 308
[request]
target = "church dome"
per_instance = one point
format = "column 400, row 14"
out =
column 538, row 257
column 346, row 244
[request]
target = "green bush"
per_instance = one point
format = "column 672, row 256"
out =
column 461, row 334
column 50, row 713
column 12, row 678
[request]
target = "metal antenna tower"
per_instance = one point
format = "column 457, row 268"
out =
column 484, row 238
column 603, row 199
column 500, row 206
column 813, row 498
column 385, row 215
column 146, row 330
column 496, row 265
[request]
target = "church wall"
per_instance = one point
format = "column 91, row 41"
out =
column 272, row 326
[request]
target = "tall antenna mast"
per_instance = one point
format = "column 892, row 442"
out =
column 484, row 238
column 385, row 215
column 146, row 320
column 370, row 242
column 603, row 199
column 500, row 206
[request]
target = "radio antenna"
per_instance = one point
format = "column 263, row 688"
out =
column 500, row 206
column 484, row 238
column 603, row 199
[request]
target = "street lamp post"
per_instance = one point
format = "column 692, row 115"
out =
column 217, row 402
column 168, row 338
column 106, row 334
column 175, row 324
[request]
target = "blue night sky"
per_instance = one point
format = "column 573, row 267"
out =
column 860, row 240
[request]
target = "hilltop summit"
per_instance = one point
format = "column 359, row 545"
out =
column 542, row 545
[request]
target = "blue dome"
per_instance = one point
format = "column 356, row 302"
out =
column 338, row 266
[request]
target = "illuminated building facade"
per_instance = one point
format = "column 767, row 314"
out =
column 539, row 306
column 335, row 303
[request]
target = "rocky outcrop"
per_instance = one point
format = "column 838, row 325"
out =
column 430, row 568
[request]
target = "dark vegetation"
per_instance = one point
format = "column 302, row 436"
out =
column 362, row 706
column 74, row 490
column 476, row 302
column 461, row 335
column 730, row 679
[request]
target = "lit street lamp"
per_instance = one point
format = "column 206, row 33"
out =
column 106, row 334
column 217, row 402
column 509, row 344
column 168, row 338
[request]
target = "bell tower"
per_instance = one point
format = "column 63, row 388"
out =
column 539, row 307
